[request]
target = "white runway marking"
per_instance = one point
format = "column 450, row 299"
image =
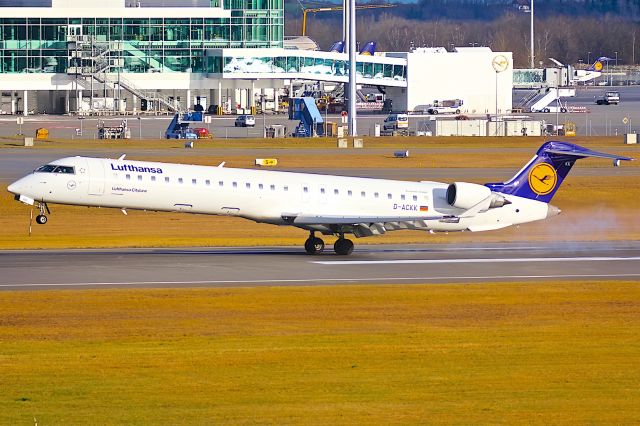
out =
column 481, row 260
column 321, row 280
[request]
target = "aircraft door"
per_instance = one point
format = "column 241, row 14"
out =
column 96, row 177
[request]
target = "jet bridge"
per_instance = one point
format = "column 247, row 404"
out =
column 305, row 65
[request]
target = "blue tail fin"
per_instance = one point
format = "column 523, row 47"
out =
column 598, row 65
column 541, row 177
column 369, row 48
column 337, row 47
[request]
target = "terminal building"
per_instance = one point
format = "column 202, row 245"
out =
column 79, row 56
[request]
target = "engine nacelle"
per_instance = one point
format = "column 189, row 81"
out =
column 465, row 195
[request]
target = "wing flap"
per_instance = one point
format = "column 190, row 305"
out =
column 307, row 219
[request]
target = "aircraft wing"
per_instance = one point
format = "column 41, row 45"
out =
column 364, row 226
column 308, row 219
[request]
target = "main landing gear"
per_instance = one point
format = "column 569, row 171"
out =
column 315, row 245
column 41, row 219
column 342, row 246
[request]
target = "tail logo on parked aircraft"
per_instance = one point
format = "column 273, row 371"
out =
column 542, row 178
column 598, row 66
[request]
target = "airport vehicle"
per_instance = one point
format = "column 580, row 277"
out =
column 245, row 121
column 396, row 121
column 608, row 98
column 550, row 100
column 331, row 205
column 445, row 107
column 311, row 122
column 179, row 126
column 121, row 131
column 203, row 133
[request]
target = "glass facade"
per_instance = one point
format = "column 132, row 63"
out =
column 528, row 77
column 54, row 45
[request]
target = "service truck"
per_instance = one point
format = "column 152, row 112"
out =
column 608, row 98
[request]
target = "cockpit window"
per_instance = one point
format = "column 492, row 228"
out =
column 46, row 169
column 52, row 168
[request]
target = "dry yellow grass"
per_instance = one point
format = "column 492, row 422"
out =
column 559, row 353
column 320, row 143
column 425, row 161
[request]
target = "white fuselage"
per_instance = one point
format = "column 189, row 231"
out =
column 263, row 195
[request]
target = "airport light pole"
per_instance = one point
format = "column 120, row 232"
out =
column 532, row 40
column 589, row 58
column 352, row 69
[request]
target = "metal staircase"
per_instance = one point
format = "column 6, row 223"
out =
column 91, row 59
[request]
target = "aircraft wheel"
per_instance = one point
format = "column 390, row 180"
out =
column 546, row 110
column 343, row 247
column 41, row 219
column 314, row 245
column 457, row 111
column 563, row 110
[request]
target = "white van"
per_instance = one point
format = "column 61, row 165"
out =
column 396, row 121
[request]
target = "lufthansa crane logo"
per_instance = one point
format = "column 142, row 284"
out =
column 500, row 63
column 597, row 66
column 543, row 178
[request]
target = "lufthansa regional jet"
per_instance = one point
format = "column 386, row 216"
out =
column 330, row 205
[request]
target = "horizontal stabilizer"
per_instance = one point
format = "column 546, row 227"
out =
column 581, row 152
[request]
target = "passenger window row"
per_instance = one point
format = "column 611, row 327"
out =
column 272, row 187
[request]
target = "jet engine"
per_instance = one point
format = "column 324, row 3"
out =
column 465, row 195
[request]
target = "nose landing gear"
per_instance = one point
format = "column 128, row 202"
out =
column 41, row 219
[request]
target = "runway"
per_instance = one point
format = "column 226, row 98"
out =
column 290, row 266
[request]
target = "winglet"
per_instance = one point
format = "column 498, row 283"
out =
column 122, row 157
column 222, row 164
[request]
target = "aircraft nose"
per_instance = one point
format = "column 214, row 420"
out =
column 14, row 188
column 20, row 187
column 552, row 211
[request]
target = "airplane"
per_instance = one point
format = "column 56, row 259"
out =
column 330, row 205
column 592, row 72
